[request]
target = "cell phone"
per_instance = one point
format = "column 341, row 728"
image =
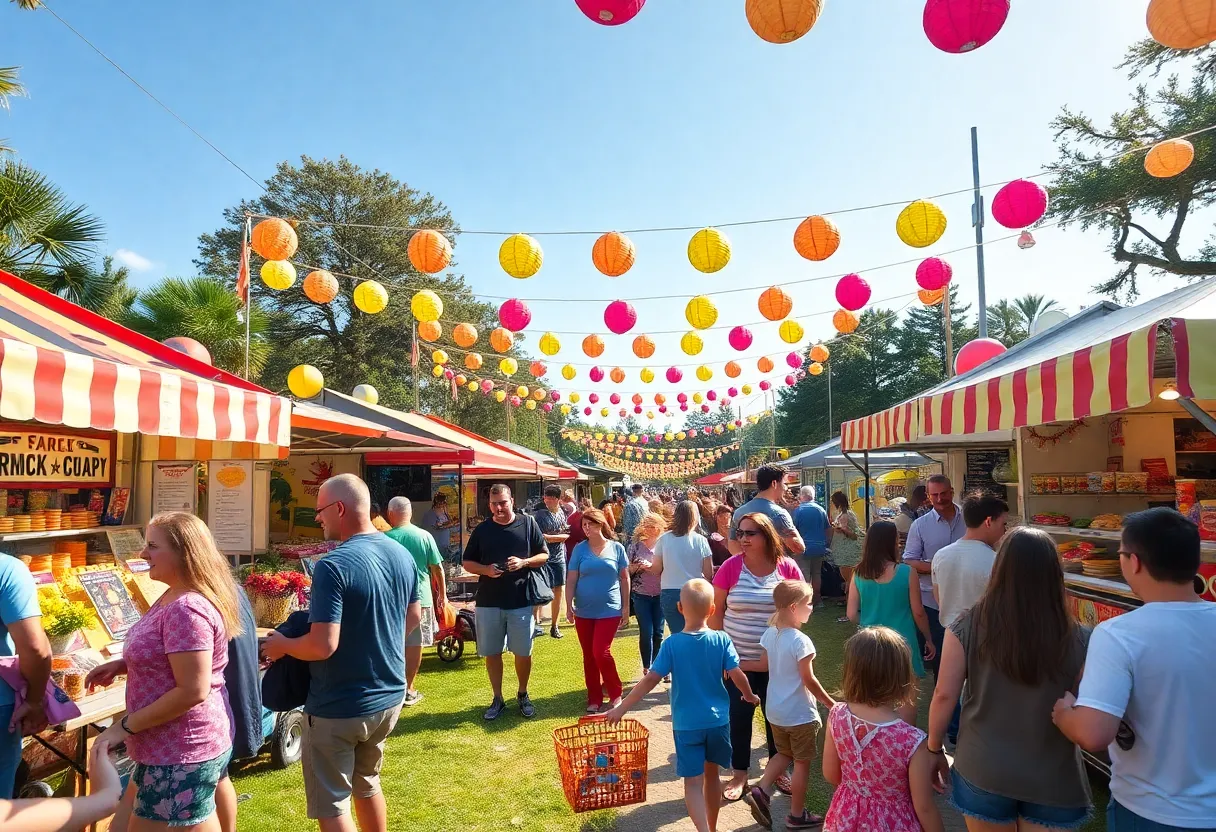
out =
column 500, row 567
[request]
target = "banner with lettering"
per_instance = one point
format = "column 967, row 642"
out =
column 54, row 459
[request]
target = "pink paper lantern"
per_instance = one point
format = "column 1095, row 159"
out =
column 764, row 385
column 852, row 292
column 732, row 392
column 516, row 401
column 740, row 338
column 610, row 12
column 514, row 315
column 958, row 26
column 449, row 373
column 486, row 385
column 704, row 408
column 684, row 406
column 546, row 407
column 636, row 398
column 615, row 398
column 712, row 395
column 637, row 408
column 623, row 413
column 682, row 398
column 1019, row 204
column 790, row 381
column 674, row 375
column 974, row 353
column 662, row 408
column 692, row 434
column 586, row 411
column 738, row 423
column 933, row 274
column 190, row 347
column 726, row 401
column 644, row 439
column 596, row 374
column 594, row 398
column 620, row 316
column 556, row 396
column 794, row 360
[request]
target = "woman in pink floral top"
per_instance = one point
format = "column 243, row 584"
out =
column 177, row 727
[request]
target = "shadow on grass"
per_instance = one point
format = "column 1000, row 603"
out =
column 568, row 704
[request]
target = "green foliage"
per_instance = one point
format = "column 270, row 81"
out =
column 42, row 235
column 1009, row 321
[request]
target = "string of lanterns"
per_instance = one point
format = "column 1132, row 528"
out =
column 670, row 456
column 640, row 470
column 607, row 439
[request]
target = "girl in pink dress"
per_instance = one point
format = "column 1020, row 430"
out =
column 881, row 768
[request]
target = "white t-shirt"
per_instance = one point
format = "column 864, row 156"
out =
column 789, row 701
column 1152, row 667
column 960, row 573
column 682, row 558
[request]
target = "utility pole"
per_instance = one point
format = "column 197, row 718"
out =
column 831, row 424
column 977, row 220
column 949, row 332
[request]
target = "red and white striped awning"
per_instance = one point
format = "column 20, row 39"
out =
column 892, row 426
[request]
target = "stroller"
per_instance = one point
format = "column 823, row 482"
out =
column 455, row 628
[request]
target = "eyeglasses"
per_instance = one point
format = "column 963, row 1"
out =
column 317, row 513
column 499, row 503
column 747, row 533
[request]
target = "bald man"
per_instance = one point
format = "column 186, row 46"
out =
column 364, row 604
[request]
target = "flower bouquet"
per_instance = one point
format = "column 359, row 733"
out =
column 275, row 595
column 61, row 619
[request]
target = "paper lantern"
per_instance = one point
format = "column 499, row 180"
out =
column 709, row 250
column 697, row 398
column 508, row 367
column 659, row 398
column 501, row 340
column 732, row 391
column 604, row 411
column 1046, row 320
column 765, row 364
column 976, row 352
column 931, row 298
column 610, row 12
column 852, row 292
column 933, row 274
column 189, row 347
column 794, row 360
column 704, row 408
column 473, row 387
column 775, row 303
column 549, row 344
column 596, row 374
column 372, row 298
column 465, row 335
column 439, row 357
column 674, row 375
column 594, row 398
column 305, row 381
column 701, row 312
column 320, row 286
column 530, row 405
column 1169, row 158
column 593, row 346
column 636, row 398
column 764, row 385
column 521, row 391
column 740, row 338
column 462, row 379
column 646, row 375
column 565, row 410
column 520, row 256
column 1182, row 24
column 546, row 407
column 643, row 347
column 574, row 397
column 637, row 408
column 815, row 238
column 691, row 343
column 845, row 321
column 274, row 239
column 426, row 305
column 1019, row 203
column 473, row 361
column 747, row 389
column 537, row 369
column 615, row 398
column 819, row 353
column 556, row 396
column 782, row 21
column 278, row 274
column 791, row 331
column 514, row 315
column 429, row 251
column 920, row 223
column 449, row 373
column 704, row 373
column 617, row 375
column 430, row 330
column 586, row 411
column 1025, row 240
column 437, row 371
column 568, row 372
column 613, row 254
column 815, row 369
column 959, row 26
column 712, row 395
column 500, row 395
column 620, row 316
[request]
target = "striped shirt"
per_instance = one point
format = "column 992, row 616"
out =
column 749, row 602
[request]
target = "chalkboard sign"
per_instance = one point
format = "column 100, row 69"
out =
column 978, row 476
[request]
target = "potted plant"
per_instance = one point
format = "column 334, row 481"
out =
column 275, row 595
column 61, row 619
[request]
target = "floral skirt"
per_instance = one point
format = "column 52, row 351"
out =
column 179, row 795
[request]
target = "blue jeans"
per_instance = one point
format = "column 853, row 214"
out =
column 668, row 599
column 650, row 626
column 1122, row 819
column 976, row 803
column 10, row 753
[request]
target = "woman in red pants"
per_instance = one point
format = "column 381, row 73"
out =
column 597, row 582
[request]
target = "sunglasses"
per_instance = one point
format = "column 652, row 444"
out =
column 747, row 533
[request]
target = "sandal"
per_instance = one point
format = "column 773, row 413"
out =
column 593, row 709
column 806, row 820
column 844, row 619
column 736, row 790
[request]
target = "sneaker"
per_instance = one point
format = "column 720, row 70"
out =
column 537, row 631
column 783, row 784
column 412, row 697
column 758, row 802
column 556, row 633
column 804, row 821
column 526, row 708
column 495, row 710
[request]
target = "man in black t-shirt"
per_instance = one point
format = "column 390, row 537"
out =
column 509, row 552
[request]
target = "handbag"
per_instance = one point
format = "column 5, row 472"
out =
column 537, row 590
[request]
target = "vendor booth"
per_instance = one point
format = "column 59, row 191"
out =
column 893, row 474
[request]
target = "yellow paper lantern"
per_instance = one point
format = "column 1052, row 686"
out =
column 746, row 389
column 816, row 238
column 426, row 305
column 473, row 361
column 430, row 330
column 465, row 335
column 819, row 353
column 437, row 370
column 305, row 381
column 845, row 321
column 791, row 331
column 667, row 437
column 568, row 372
column 278, row 274
column 782, row 21
column 521, row 391
column 691, row 343
column 1169, row 158
column 520, row 256
column 320, row 286
column 701, row 312
column 274, row 239
column 732, row 427
column 647, row 375
column 501, row 340
column 732, row 369
column 650, row 415
column 931, row 297
column 549, row 344
column 439, row 357
column 704, row 373
column 783, row 454
column 603, row 411
column 574, row 397
column 565, row 410
column 697, row 398
column 765, row 364
column 473, row 387
column 429, row 251
column 681, row 436
column 613, row 254
column 508, row 367
column 1182, row 24
column 920, row 223
column 500, row 396
column 815, row 369
column 530, row 405
column 593, row 346
column 370, row 297
column 633, row 438
column 709, row 250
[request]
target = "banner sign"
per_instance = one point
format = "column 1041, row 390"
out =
column 54, row 459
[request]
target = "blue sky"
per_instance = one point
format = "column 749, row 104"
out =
column 526, row 116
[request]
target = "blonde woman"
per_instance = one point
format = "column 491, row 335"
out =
column 177, row 727
column 646, row 587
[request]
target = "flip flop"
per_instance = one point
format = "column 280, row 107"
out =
column 737, row 790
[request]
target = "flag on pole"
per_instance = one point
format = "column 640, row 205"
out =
column 242, row 275
column 414, row 349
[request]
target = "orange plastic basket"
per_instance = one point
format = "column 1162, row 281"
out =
column 603, row 766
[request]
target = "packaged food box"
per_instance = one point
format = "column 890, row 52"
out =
column 1068, row 483
column 1100, row 482
column 1128, row 482
column 1207, row 519
column 1045, row 483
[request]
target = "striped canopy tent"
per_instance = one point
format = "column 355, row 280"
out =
column 61, row 364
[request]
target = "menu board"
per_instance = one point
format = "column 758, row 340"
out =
column 125, row 543
column 978, row 476
column 175, row 487
column 230, row 505
column 114, row 606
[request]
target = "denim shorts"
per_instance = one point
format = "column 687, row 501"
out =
column 178, row 795
column 992, row 808
column 697, row 747
column 499, row 630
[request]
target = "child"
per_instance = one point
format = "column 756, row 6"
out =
column 58, row 813
column 700, row 708
column 880, row 764
column 791, row 711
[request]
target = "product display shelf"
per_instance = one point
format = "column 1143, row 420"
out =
column 1206, row 547
column 9, row 537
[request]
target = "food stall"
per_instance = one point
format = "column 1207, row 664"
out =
column 829, row 470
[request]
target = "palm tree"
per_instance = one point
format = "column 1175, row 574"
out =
column 1006, row 323
column 105, row 292
column 206, row 310
column 10, row 85
column 1031, row 305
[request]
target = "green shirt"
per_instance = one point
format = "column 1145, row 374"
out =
column 419, row 543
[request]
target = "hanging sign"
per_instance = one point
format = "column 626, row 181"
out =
column 51, row 458
column 175, row 487
column 230, row 505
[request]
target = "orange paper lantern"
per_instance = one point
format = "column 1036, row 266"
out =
column 732, row 369
column 931, row 297
column 819, row 353
column 472, row 361
column 1169, row 158
column 430, row 330
column 429, row 251
column 465, row 335
column 593, row 346
column 782, row 21
column 765, row 364
column 537, row 369
column 617, row 375
column 643, row 347
column 320, row 286
column 816, row 238
column 274, row 239
column 845, row 321
column 1182, row 24
column 501, row 340
column 775, row 304
column 613, row 254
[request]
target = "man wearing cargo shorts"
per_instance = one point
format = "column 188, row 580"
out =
column 364, row 603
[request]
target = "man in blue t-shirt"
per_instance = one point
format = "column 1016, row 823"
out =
column 812, row 524
column 21, row 635
column 364, row 603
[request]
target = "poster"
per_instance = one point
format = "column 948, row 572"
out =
column 230, row 505
column 54, row 459
column 125, row 543
column 294, row 483
column 114, row 606
column 978, row 476
column 175, row 487
column 449, row 486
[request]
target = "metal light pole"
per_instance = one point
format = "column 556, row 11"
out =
column 977, row 220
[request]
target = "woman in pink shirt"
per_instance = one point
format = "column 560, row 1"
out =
column 177, row 727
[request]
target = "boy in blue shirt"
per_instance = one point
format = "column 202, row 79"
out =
column 696, row 658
